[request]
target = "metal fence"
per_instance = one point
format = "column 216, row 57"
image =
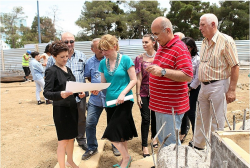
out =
column 11, row 59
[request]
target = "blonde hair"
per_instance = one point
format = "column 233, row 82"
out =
column 108, row 42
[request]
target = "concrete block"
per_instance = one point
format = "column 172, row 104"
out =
column 225, row 149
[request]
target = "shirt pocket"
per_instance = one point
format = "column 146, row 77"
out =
column 97, row 74
column 215, row 61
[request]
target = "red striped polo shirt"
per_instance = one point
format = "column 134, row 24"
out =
column 164, row 92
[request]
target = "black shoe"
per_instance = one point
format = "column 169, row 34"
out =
column 40, row 102
column 115, row 151
column 88, row 154
column 145, row 155
column 191, row 145
column 48, row 102
column 84, row 146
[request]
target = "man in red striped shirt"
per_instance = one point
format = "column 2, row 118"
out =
column 169, row 74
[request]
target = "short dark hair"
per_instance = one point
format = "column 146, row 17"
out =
column 190, row 42
column 34, row 54
column 58, row 47
column 47, row 49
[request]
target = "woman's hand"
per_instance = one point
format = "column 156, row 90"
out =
column 139, row 102
column 120, row 99
column 81, row 95
column 94, row 92
column 65, row 94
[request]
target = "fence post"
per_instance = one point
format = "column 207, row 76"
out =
column 37, row 48
column 2, row 59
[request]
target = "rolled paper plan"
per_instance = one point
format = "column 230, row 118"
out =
column 126, row 98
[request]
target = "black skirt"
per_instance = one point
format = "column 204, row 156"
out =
column 66, row 120
column 121, row 126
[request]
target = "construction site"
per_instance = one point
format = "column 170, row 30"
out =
column 28, row 135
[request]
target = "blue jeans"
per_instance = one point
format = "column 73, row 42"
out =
column 168, row 128
column 93, row 116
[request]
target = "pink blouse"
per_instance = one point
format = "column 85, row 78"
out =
column 140, row 66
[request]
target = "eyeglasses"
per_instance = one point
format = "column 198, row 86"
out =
column 70, row 41
column 156, row 36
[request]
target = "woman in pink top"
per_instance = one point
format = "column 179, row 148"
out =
column 142, row 61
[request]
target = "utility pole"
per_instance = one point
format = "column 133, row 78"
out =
column 38, row 20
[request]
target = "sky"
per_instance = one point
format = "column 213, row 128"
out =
column 68, row 10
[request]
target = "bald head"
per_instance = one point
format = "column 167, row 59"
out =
column 67, row 34
column 162, row 22
column 162, row 29
column 180, row 34
column 69, row 39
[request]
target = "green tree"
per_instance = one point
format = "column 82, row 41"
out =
column 233, row 19
column 185, row 16
column 10, row 25
column 98, row 18
column 141, row 15
column 28, row 37
column 46, row 27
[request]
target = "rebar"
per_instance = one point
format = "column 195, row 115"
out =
column 214, row 114
column 154, row 140
column 233, row 122
column 244, row 120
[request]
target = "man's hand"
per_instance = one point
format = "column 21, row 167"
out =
column 154, row 70
column 95, row 92
column 230, row 96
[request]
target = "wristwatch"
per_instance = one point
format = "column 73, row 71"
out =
column 163, row 72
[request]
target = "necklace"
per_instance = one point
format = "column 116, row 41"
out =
column 116, row 65
column 150, row 56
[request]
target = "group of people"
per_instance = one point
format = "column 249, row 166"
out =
column 169, row 78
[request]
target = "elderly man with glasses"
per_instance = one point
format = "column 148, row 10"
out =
column 76, row 62
column 169, row 74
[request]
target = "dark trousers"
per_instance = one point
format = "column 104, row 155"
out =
column 26, row 71
column 81, row 106
column 145, row 114
column 190, row 114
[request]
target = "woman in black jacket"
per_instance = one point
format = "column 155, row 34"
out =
column 64, row 103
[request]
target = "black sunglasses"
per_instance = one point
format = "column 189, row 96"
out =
column 71, row 41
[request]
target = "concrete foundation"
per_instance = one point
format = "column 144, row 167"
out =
column 231, row 147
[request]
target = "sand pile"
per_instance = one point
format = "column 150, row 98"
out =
column 167, row 159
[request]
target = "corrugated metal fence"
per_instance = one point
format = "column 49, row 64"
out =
column 12, row 59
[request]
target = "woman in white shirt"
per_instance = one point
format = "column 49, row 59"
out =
column 194, row 88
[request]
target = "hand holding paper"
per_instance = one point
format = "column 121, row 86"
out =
column 65, row 94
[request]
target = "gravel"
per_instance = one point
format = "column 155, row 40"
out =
column 167, row 157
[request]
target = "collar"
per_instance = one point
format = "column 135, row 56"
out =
column 214, row 38
column 99, row 60
column 172, row 42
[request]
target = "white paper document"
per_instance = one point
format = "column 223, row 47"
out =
column 82, row 87
column 111, row 102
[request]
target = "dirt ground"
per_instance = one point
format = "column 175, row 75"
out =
column 28, row 135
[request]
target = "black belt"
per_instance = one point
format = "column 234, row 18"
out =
column 212, row 81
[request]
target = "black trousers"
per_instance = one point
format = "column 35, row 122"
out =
column 190, row 114
column 146, row 113
column 26, row 71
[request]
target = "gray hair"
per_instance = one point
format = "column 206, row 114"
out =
column 180, row 34
column 94, row 40
column 211, row 18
